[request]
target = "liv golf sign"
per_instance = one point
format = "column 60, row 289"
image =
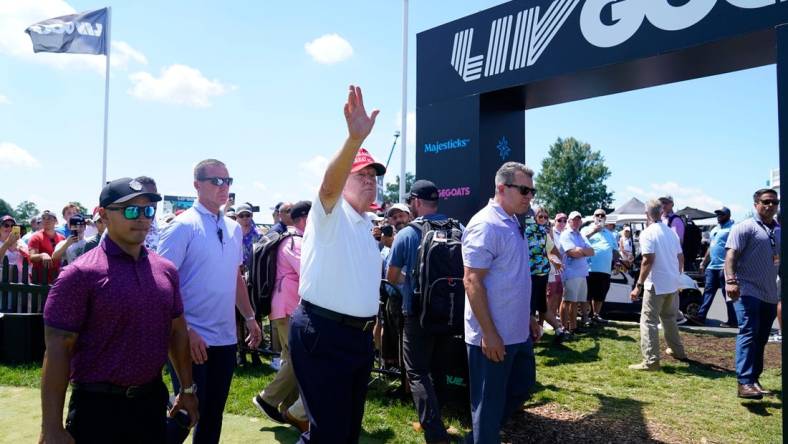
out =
column 477, row 76
column 520, row 36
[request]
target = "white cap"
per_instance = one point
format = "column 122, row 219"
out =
column 397, row 206
column 575, row 214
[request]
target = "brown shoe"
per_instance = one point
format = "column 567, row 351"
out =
column 749, row 391
column 763, row 391
column 301, row 426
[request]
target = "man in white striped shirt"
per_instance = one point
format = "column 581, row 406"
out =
column 752, row 262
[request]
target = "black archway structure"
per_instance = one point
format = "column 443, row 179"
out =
column 477, row 76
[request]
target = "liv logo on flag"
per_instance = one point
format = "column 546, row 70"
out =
column 82, row 33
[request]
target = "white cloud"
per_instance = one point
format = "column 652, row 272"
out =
column 178, row 84
column 260, row 186
column 17, row 15
column 312, row 172
column 683, row 196
column 4, row 100
column 329, row 48
column 123, row 53
column 12, row 156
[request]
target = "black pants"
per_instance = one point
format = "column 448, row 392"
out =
column 332, row 363
column 539, row 293
column 598, row 286
column 103, row 417
column 213, row 385
column 425, row 356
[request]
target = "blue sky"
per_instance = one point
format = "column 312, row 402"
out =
column 261, row 85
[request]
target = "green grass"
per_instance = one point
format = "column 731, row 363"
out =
column 587, row 379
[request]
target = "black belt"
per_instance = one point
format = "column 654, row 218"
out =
column 363, row 324
column 131, row 391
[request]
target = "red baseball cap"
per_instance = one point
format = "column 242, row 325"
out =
column 364, row 159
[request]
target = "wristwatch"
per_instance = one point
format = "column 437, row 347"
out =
column 190, row 390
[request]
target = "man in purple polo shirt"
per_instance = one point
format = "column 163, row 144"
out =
column 497, row 280
column 110, row 320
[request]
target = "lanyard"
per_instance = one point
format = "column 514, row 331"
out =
column 770, row 233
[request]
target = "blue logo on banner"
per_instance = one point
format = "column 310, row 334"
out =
column 451, row 144
column 503, row 148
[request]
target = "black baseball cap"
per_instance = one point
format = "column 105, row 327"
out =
column 723, row 210
column 123, row 190
column 76, row 219
column 424, row 189
column 300, row 209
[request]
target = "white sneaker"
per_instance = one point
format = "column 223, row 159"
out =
column 776, row 338
column 276, row 363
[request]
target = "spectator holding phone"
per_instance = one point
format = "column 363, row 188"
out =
column 69, row 249
column 10, row 245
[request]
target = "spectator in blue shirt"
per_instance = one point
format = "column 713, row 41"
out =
column 712, row 267
column 605, row 246
column 423, row 351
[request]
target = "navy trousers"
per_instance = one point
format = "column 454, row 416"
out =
column 715, row 280
column 755, row 323
column 498, row 389
column 213, row 385
column 332, row 363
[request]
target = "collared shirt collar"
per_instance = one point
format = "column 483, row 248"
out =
column 354, row 216
column 500, row 212
column 201, row 208
column 758, row 219
column 112, row 249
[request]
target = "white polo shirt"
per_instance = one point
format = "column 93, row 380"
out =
column 663, row 242
column 208, row 270
column 340, row 261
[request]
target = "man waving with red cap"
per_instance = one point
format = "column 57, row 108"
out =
column 331, row 330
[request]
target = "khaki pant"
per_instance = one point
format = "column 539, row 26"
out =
column 283, row 390
column 658, row 308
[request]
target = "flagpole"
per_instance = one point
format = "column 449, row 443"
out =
column 106, row 96
column 404, row 130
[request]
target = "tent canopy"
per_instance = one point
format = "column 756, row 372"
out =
column 694, row 213
column 631, row 207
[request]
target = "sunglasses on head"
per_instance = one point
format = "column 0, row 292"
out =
column 133, row 212
column 774, row 202
column 218, row 181
column 523, row 189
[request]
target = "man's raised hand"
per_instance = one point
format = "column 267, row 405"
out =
column 359, row 124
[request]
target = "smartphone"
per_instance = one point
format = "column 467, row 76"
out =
column 16, row 229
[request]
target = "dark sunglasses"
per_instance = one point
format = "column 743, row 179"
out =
column 541, row 216
column 774, row 202
column 218, row 181
column 600, row 215
column 524, row 190
column 561, row 220
column 8, row 225
column 132, row 212
column 243, row 215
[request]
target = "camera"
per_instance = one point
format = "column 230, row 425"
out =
column 387, row 230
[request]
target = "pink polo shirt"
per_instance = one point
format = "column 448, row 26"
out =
column 288, row 272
